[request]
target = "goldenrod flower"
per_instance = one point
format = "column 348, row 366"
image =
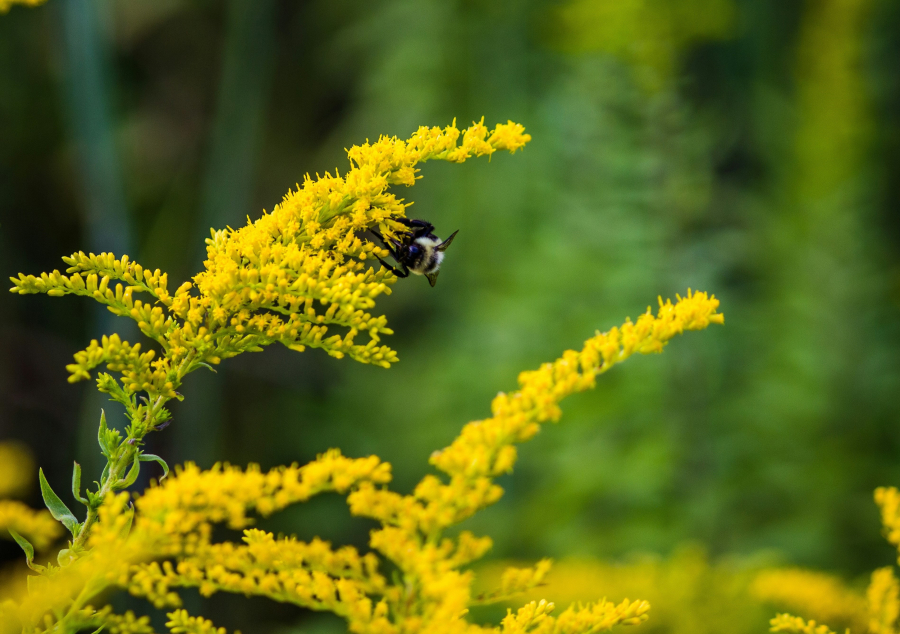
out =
column 535, row 618
column 884, row 602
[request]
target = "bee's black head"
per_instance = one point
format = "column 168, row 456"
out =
column 413, row 255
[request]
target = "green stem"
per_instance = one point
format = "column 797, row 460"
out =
column 117, row 467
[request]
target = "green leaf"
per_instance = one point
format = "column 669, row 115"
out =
column 76, row 484
column 132, row 475
column 94, row 499
column 24, row 544
column 101, row 434
column 149, row 457
column 58, row 509
column 29, row 552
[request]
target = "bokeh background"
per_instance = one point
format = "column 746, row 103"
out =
column 750, row 148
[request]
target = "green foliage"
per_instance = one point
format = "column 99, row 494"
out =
column 57, row 507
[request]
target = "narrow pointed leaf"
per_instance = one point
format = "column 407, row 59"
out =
column 149, row 457
column 24, row 544
column 58, row 509
column 76, row 484
column 101, row 434
column 132, row 474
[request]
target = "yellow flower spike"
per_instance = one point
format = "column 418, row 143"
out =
column 888, row 499
column 288, row 277
column 883, row 596
column 796, row 625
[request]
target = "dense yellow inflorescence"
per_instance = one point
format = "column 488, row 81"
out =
column 286, row 278
column 169, row 542
column 884, row 602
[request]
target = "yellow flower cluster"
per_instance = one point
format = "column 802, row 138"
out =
column 535, row 618
column 884, row 602
column 38, row 527
column 815, row 594
column 888, row 500
column 180, row 622
column 6, row 5
column 285, row 278
column 169, row 545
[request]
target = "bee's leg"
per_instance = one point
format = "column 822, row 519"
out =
column 391, row 245
column 398, row 272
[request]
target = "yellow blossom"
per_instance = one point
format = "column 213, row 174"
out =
column 888, row 499
column 884, row 602
column 288, row 277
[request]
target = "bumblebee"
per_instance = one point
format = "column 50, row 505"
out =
column 418, row 251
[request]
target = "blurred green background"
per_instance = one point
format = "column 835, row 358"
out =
column 749, row 148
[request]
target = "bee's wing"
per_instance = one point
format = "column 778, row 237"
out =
column 446, row 243
column 432, row 277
